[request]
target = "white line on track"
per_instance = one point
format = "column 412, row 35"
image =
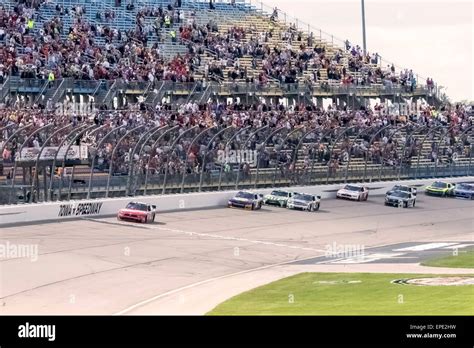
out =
column 458, row 246
column 218, row 236
column 423, row 247
column 145, row 302
column 208, row 235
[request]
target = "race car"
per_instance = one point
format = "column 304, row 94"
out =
column 247, row 200
column 353, row 192
column 464, row 190
column 404, row 188
column 402, row 199
column 277, row 197
column 138, row 212
column 439, row 188
column 303, row 201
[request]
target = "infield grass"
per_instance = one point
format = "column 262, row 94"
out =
column 464, row 259
column 350, row 294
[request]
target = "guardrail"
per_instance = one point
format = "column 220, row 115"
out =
column 221, row 88
column 63, row 211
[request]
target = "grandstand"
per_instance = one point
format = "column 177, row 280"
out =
column 105, row 99
column 312, row 80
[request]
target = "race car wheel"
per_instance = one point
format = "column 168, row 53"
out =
column 358, row 199
column 414, row 203
column 145, row 220
column 317, row 207
column 153, row 219
column 253, row 206
column 311, row 208
column 405, row 204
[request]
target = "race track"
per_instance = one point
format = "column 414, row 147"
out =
column 102, row 266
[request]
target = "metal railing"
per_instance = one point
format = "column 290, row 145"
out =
column 107, row 89
column 166, row 160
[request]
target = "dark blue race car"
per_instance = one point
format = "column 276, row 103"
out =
column 464, row 190
column 246, row 200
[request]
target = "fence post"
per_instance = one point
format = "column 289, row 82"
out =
column 36, row 178
column 141, row 150
column 53, row 167
column 241, row 148
column 131, row 168
column 187, row 155
column 362, row 132
column 113, row 155
column 431, row 131
column 153, row 149
column 173, row 145
column 93, row 158
column 262, row 149
column 203, row 168
column 28, row 138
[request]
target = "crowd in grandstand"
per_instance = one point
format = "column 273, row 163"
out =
column 88, row 49
column 34, row 47
column 385, row 150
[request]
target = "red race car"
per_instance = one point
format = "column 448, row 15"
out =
column 138, row 212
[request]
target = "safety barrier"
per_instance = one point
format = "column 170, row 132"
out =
column 59, row 211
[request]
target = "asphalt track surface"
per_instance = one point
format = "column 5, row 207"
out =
column 188, row 262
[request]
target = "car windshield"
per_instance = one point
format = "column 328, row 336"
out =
column 245, row 195
column 401, row 188
column 465, row 187
column 280, row 193
column 137, row 206
column 303, row 197
column 352, row 188
column 401, row 194
column 439, row 184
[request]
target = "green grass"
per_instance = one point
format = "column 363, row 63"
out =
column 464, row 259
column 372, row 294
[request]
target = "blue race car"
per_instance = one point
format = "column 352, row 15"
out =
column 463, row 190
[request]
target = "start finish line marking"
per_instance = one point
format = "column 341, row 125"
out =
column 428, row 246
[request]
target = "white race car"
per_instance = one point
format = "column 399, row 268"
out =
column 353, row 192
column 303, row 201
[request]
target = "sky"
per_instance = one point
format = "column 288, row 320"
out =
column 435, row 39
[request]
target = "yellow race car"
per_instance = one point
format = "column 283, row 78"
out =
column 440, row 188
